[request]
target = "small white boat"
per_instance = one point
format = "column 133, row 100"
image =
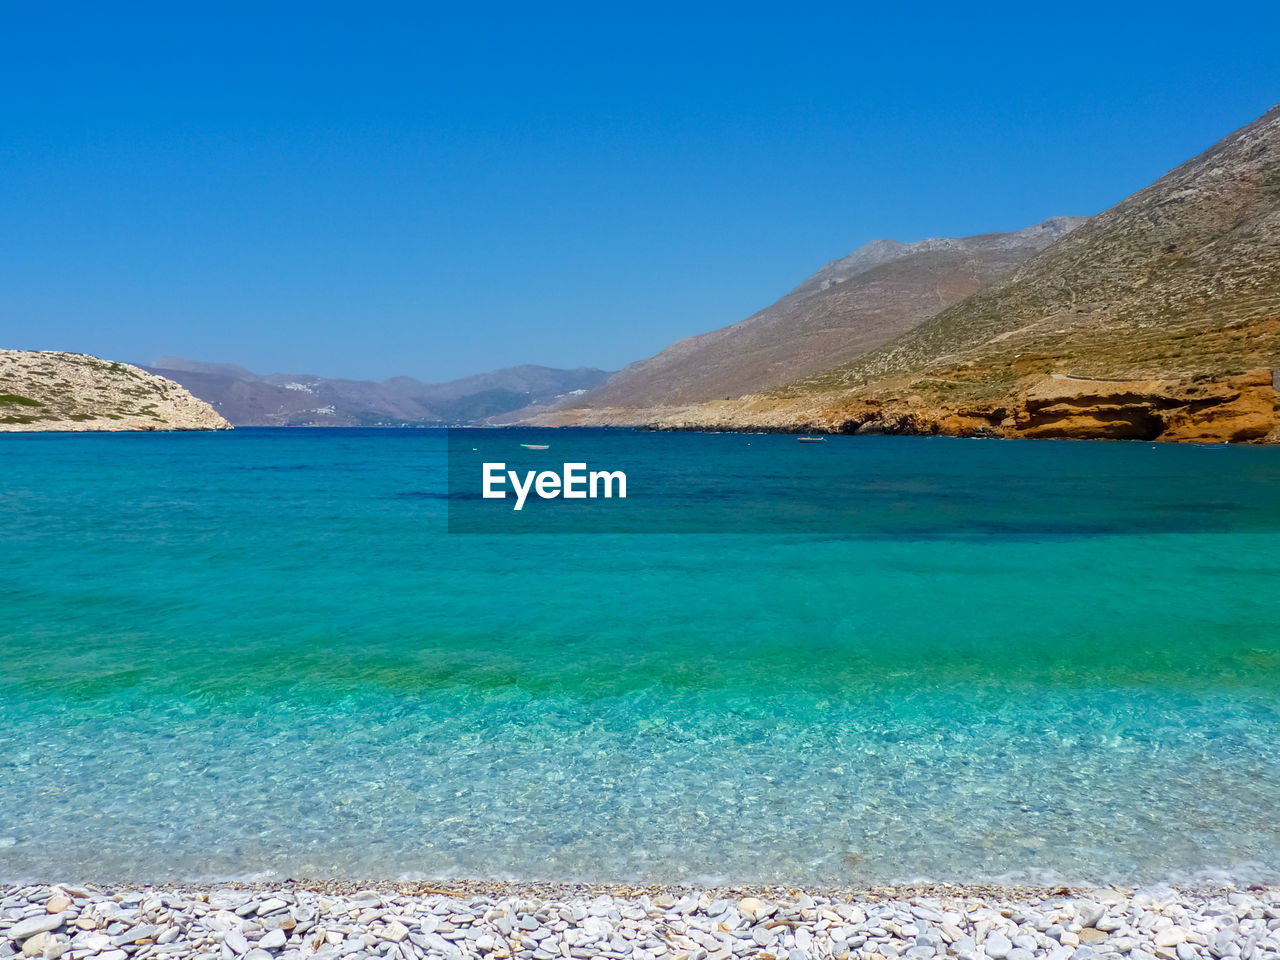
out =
column 812, row 439
column 536, row 446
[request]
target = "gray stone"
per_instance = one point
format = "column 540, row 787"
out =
column 997, row 945
column 143, row 931
column 235, row 942
column 28, row 928
column 273, row 939
column 1089, row 913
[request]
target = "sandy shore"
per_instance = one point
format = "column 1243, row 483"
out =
column 578, row 922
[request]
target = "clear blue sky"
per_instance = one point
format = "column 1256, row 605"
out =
column 376, row 189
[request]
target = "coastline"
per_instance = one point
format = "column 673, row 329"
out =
column 1240, row 409
column 543, row 921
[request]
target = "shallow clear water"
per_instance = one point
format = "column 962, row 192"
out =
column 261, row 653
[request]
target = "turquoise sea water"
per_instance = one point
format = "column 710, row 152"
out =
column 261, row 653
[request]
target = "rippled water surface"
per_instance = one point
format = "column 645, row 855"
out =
column 261, row 653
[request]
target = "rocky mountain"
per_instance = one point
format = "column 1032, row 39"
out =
column 846, row 309
column 46, row 390
column 1157, row 319
column 279, row 399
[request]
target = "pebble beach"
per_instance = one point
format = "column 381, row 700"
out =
column 545, row 922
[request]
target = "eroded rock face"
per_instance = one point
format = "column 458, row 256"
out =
column 48, row 390
column 1236, row 409
column 1072, row 408
column 1240, row 409
column 1245, row 410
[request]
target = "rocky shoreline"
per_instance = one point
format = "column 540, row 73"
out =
column 52, row 391
column 1239, row 409
column 499, row 921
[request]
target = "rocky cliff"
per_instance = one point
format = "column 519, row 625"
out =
column 46, row 390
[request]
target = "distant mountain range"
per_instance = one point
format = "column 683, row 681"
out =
column 285, row 399
column 1157, row 319
column 846, row 309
